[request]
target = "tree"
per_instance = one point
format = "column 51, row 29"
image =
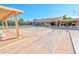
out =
column 21, row 20
column 64, row 17
column 28, row 22
column 69, row 18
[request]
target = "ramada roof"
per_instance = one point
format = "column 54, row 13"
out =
column 55, row 19
column 6, row 11
column 48, row 19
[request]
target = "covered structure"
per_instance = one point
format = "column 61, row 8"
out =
column 6, row 12
column 74, row 21
column 46, row 21
column 57, row 21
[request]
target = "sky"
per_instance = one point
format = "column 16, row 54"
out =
column 37, row 11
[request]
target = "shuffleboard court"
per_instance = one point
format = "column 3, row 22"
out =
column 75, row 40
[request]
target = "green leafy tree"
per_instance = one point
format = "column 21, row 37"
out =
column 69, row 18
column 21, row 20
column 64, row 17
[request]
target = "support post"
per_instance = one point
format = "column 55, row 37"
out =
column 60, row 23
column 16, row 24
column 76, row 24
column 57, row 23
column 2, row 23
column 6, row 23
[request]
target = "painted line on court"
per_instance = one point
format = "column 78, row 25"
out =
column 11, row 44
column 59, row 40
column 72, row 42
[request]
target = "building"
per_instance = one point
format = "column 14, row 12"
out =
column 46, row 21
column 56, row 21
